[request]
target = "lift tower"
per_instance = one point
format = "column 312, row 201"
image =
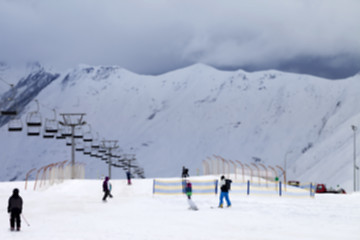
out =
column 109, row 145
column 73, row 120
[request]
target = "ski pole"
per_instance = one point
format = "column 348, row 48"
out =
column 22, row 215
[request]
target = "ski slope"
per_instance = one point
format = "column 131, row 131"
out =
column 73, row 210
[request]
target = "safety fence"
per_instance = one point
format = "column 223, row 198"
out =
column 173, row 187
column 271, row 189
column 55, row 173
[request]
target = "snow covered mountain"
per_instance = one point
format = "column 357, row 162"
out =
column 181, row 117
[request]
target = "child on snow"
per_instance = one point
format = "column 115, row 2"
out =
column 188, row 189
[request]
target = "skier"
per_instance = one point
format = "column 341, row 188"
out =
column 106, row 189
column 185, row 172
column 128, row 176
column 15, row 209
column 224, row 187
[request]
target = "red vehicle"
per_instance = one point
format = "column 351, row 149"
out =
column 321, row 188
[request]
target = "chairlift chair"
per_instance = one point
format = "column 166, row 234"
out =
column 15, row 125
column 87, row 150
column 11, row 110
column 68, row 141
column 48, row 135
column 33, row 131
column 88, row 137
column 51, row 126
column 79, row 146
column 33, row 119
column 66, row 131
column 93, row 153
column 95, row 145
column 78, row 132
column 59, row 135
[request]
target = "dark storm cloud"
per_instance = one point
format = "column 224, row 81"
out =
column 317, row 37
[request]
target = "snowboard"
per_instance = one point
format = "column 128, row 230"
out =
column 192, row 205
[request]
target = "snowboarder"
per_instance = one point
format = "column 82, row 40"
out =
column 188, row 192
column 106, row 188
column 128, row 176
column 224, row 187
column 188, row 189
column 15, row 209
column 185, row 172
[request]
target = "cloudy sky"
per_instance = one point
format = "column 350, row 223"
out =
column 319, row 37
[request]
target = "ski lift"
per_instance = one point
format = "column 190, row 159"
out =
column 78, row 132
column 68, row 141
column 95, row 143
column 88, row 135
column 51, row 125
column 94, row 153
column 79, row 146
column 15, row 125
column 33, row 131
column 33, row 119
column 59, row 133
column 66, row 131
column 87, row 150
column 11, row 110
column 48, row 135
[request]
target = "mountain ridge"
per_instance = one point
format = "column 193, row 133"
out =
column 183, row 116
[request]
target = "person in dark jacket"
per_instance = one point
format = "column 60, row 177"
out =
column 185, row 172
column 15, row 209
column 224, row 187
column 128, row 176
column 106, row 189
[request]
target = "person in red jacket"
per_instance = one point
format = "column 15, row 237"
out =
column 15, row 209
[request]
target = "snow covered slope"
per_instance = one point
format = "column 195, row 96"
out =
column 181, row 117
column 74, row 210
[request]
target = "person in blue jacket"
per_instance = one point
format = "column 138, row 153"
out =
column 224, row 187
